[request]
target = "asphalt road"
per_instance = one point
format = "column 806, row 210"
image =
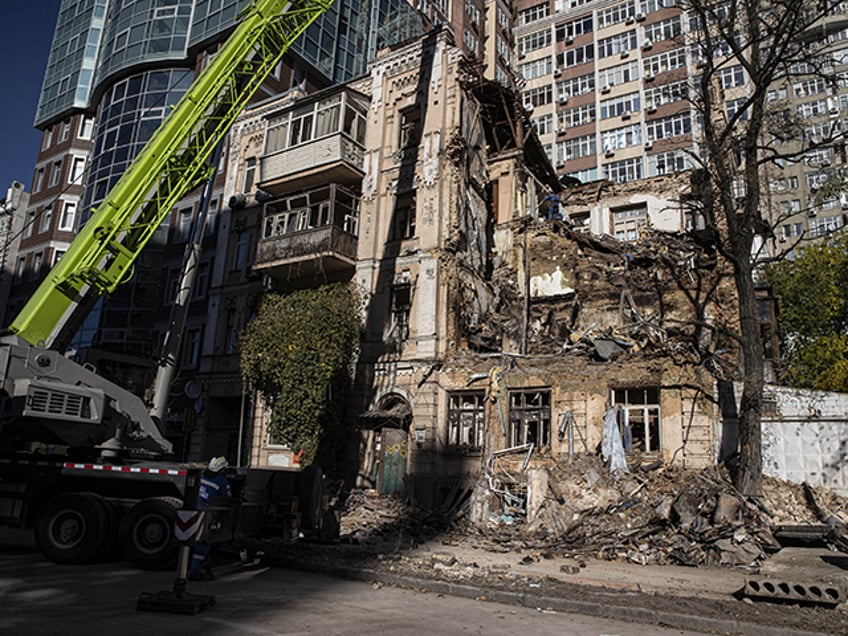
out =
column 39, row 597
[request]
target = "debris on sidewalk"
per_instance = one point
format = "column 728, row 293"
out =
column 656, row 514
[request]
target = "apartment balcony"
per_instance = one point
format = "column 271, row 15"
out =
column 317, row 140
column 336, row 158
column 309, row 237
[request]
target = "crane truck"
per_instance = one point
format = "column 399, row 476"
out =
column 111, row 485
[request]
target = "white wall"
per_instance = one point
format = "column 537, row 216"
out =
column 807, row 439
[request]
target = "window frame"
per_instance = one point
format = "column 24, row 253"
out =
column 522, row 412
column 459, row 410
column 626, row 407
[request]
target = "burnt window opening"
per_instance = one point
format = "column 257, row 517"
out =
column 639, row 418
column 410, row 127
column 465, row 419
column 530, row 417
column 403, row 226
column 581, row 220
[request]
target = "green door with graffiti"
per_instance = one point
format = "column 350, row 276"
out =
column 395, row 446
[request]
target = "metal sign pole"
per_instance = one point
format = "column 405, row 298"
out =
column 188, row 527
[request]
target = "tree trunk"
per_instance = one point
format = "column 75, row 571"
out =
column 749, row 477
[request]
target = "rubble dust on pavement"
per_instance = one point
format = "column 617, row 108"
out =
column 657, row 515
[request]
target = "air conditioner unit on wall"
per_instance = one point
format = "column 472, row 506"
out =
column 649, row 76
column 569, row 40
column 650, row 108
column 647, row 44
column 640, row 17
column 605, row 88
column 557, row 72
column 609, row 153
column 649, row 145
column 563, row 100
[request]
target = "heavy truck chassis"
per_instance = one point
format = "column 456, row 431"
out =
column 83, row 509
column 82, row 512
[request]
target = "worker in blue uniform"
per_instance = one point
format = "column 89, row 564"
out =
column 213, row 483
column 553, row 202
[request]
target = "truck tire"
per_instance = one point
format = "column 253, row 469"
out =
column 310, row 494
column 72, row 528
column 146, row 533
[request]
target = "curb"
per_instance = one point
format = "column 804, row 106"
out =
column 676, row 620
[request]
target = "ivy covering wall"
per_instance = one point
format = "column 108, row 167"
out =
column 299, row 352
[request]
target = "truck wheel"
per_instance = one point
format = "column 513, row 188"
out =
column 310, row 494
column 72, row 528
column 146, row 533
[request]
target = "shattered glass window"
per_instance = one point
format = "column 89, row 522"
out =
column 530, row 417
column 410, row 127
column 639, row 418
column 465, row 419
column 403, row 223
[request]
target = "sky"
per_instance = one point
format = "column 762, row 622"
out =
column 27, row 32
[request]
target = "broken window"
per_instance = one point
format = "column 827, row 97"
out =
column 401, row 303
column 465, row 419
column 693, row 216
column 639, row 418
column 581, row 220
column 403, row 226
column 627, row 221
column 530, row 417
column 410, row 127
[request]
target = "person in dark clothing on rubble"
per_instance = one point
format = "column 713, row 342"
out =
column 213, row 483
column 552, row 202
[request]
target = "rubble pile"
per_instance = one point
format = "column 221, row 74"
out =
column 368, row 517
column 657, row 514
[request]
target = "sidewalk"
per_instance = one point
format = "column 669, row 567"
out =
column 705, row 582
column 702, row 599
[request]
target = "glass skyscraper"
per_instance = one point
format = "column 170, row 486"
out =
column 127, row 62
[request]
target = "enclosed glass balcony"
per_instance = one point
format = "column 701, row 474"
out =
column 309, row 236
column 318, row 139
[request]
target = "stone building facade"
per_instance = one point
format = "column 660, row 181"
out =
column 497, row 316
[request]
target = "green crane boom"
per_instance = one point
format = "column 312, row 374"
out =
column 171, row 164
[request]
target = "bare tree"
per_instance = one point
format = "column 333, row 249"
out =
column 747, row 135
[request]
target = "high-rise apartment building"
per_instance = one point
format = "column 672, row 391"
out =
column 610, row 87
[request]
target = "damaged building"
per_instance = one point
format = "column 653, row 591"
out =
column 506, row 309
